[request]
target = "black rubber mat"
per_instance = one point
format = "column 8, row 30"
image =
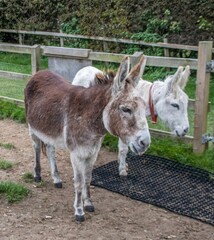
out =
column 162, row 182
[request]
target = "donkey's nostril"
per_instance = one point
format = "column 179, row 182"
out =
column 186, row 130
column 142, row 143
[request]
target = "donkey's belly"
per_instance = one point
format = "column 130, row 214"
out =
column 57, row 142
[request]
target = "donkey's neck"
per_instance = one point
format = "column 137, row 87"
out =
column 158, row 87
column 89, row 105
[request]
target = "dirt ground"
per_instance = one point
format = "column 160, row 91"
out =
column 47, row 213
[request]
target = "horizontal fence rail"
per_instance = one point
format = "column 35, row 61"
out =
column 34, row 51
column 104, row 39
column 13, row 100
column 15, row 48
column 116, row 58
column 14, row 75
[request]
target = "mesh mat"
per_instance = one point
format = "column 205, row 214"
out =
column 162, row 182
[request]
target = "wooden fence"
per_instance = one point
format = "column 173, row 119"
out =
column 203, row 65
column 62, row 36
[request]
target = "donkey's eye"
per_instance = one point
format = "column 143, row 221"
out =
column 126, row 109
column 175, row 105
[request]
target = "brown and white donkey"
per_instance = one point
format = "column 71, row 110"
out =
column 77, row 118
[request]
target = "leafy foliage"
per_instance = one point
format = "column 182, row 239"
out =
column 204, row 24
column 71, row 26
column 163, row 26
column 102, row 18
column 181, row 21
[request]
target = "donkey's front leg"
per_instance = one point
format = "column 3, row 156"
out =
column 50, row 150
column 123, row 166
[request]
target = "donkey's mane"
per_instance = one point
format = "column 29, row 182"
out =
column 103, row 79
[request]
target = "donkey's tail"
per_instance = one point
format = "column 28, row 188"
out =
column 44, row 148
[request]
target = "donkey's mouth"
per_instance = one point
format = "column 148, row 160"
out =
column 177, row 133
column 133, row 148
column 137, row 151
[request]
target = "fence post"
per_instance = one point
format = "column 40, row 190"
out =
column 166, row 52
column 35, row 58
column 20, row 39
column 61, row 40
column 202, row 96
column 134, row 59
column 105, row 49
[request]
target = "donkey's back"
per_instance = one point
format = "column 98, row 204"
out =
column 53, row 106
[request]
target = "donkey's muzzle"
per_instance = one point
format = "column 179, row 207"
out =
column 141, row 144
column 182, row 132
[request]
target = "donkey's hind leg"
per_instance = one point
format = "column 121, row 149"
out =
column 37, row 152
column 78, row 169
column 50, row 150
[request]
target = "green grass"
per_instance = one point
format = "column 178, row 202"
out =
column 28, row 177
column 15, row 62
column 13, row 191
column 20, row 63
column 12, row 88
column 175, row 150
column 4, row 164
column 8, row 146
column 181, row 152
column 12, row 111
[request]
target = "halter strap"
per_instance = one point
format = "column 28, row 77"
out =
column 151, row 107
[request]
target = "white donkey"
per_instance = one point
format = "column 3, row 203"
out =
column 164, row 99
column 77, row 118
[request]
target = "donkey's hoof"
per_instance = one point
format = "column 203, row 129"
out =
column 89, row 208
column 123, row 174
column 37, row 179
column 58, row 185
column 80, row 218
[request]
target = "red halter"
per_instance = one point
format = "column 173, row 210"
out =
column 151, row 107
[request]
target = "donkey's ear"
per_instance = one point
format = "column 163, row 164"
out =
column 121, row 75
column 173, row 81
column 184, row 77
column 137, row 71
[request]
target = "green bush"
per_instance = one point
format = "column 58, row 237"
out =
column 113, row 18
